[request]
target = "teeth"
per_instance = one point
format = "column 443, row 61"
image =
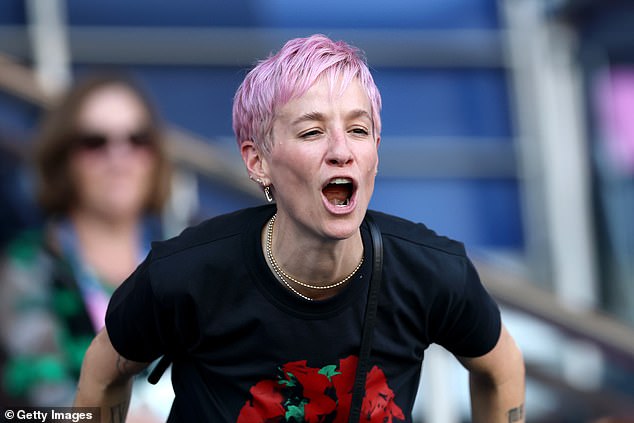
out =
column 340, row 181
column 342, row 203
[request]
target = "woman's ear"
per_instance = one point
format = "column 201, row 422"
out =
column 255, row 162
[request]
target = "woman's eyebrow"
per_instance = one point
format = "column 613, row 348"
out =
column 318, row 116
column 357, row 113
column 311, row 116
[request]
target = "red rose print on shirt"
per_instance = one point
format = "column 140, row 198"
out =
column 266, row 403
column 305, row 394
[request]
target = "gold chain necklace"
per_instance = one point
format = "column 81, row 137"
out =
column 284, row 277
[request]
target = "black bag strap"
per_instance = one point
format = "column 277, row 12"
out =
column 368, row 323
column 159, row 369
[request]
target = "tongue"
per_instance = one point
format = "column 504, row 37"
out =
column 336, row 194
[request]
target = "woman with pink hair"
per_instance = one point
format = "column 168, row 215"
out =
column 310, row 308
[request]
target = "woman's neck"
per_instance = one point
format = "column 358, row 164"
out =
column 313, row 260
column 109, row 246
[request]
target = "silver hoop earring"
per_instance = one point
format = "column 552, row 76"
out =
column 267, row 193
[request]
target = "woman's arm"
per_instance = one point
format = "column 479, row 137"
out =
column 497, row 383
column 106, row 379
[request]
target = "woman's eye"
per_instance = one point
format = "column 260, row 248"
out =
column 311, row 133
column 360, row 131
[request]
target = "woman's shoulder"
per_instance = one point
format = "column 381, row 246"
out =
column 211, row 232
column 416, row 234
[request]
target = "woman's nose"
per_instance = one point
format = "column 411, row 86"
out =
column 339, row 153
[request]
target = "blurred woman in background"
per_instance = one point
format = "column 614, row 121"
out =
column 102, row 179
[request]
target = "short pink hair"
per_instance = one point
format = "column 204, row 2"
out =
column 289, row 74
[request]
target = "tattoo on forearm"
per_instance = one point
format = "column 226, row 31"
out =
column 118, row 412
column 516, row 414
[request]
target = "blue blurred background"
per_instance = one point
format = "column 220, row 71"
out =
column 493, row 134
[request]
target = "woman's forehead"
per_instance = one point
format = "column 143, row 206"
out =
column 323, row 98
column 112, row 106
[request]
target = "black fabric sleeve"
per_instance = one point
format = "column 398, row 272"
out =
column 470, row 322
column 134, row 319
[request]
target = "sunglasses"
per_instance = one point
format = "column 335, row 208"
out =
column 95, row 141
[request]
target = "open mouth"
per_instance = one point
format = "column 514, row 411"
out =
column 339, row 191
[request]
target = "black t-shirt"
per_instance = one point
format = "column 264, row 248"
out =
column 246, row 349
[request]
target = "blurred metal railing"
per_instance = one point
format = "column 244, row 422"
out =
column 613, row 338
